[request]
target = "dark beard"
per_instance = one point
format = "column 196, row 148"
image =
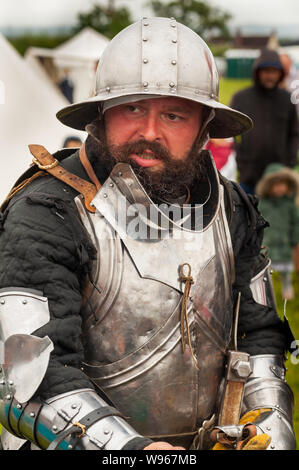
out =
column 168, row 184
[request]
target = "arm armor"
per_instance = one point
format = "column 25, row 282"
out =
column 75, row 420
column 267, row 388
column 262, row 287
column 78, row 420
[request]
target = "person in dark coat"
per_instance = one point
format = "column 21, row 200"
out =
column 274, row 137
column 66, row 86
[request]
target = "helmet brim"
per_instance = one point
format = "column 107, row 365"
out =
column 227, row 122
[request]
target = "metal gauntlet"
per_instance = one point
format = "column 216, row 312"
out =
column 267, row 388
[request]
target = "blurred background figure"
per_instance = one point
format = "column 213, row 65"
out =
column 274, row 137
column 278, row 191
column 72, row 142
column 224, row 156
column 290, row 81
column 66, row 86
column 290, row 72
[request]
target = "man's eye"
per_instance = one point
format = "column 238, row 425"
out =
column 173, row 117
column 132, row 109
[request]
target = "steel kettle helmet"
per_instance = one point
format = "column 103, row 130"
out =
column 157, row 57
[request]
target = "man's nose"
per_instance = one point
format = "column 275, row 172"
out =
column 150, row 129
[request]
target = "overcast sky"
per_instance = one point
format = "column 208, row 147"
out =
column 25, row 13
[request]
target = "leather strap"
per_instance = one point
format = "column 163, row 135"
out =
column 88, row 168
column 86, row 422
column 232, row 402
column 46, row 162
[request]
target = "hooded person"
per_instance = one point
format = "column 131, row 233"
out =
column 122, row 266
column 274, row 137
column 278, row 192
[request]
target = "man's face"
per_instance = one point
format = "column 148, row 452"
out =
column 269, row 77
column 154, row 131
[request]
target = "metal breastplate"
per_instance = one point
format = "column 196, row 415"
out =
column 131, row 320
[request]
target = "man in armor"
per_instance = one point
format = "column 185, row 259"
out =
column 136, row 308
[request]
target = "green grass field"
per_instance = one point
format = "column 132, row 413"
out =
column 292, row 313
column 229, row 86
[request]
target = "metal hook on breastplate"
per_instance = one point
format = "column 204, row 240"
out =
column 188, row 280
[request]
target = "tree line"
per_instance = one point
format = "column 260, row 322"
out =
column 107, row 19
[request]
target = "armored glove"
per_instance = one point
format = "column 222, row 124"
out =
column 246, row 436
column 267, row 409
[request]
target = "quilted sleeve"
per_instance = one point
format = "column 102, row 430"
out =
column 260, row 329
column 43, row 246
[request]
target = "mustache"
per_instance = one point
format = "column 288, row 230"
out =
column 138, row 147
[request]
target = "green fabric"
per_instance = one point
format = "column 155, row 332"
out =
column 283, row 233
column 273, row 168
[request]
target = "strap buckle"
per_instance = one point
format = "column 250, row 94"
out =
column 45, row 167
column 82, row 427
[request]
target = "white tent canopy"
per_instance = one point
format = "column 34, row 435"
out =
column 79, row 55
column 88, row 44
column 28, row 107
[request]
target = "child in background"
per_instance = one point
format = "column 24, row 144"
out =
column 278, row 191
